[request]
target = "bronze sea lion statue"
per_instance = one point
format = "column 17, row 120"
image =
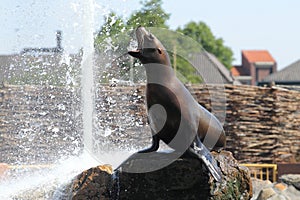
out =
column 175, row 117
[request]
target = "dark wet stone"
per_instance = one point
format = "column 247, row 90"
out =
column 185, row 178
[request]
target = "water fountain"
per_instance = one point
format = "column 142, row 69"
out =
column 75, row 120
column 47, row 145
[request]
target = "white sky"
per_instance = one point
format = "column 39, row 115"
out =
column 256, row 24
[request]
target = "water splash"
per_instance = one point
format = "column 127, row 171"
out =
column 87, row 78
column 24, row 184
column 42, row 183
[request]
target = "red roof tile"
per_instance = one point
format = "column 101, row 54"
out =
column 258, row 56
column 238, row 71
column 234, row 71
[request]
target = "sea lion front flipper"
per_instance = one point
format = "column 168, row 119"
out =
column 154, row 147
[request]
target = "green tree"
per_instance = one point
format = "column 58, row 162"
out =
column 203, row 35
column 115, row 34
column 151, row 15
column 113, row 25
column 181, row 49
column 111, row 29
column 113, row 37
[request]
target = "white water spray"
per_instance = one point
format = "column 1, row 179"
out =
column 42, row 183
column 87, row 77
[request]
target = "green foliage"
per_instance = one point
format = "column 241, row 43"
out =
column 151, row 15
column 110, row 31
column 185, row 70
column 201, row 33
column 113, row 25
column 114, row 36
column 180, row 49
column 115, row 33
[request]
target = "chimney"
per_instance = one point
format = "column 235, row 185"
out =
column 58, row 40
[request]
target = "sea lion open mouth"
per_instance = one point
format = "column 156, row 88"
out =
column 149, row 48
column 140, row 33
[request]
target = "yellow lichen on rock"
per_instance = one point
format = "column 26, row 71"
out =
column 107, row 168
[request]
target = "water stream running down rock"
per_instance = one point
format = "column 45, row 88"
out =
column 41, row 183
column 47, row 183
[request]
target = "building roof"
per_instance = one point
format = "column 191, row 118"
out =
column 38, row 68
column 238, row 71
column 258, row 56
column 221, row 68
column 290, row 73
column 212, row 70
column 209, row 67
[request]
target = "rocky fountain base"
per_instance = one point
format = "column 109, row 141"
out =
column 185, row 178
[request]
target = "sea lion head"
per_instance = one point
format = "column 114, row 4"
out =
column 150, row 49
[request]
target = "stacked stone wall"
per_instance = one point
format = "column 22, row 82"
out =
column 262, row 124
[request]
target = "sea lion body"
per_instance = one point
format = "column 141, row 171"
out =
column 180, row 108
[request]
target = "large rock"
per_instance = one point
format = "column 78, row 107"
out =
column 258, row 185
column 291, row 179
column 266, row 193
column 273, row 193
column 94, row 183
column 185, row 178
column 285, row 190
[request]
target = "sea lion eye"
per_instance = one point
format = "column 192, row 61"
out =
column 151, row 36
